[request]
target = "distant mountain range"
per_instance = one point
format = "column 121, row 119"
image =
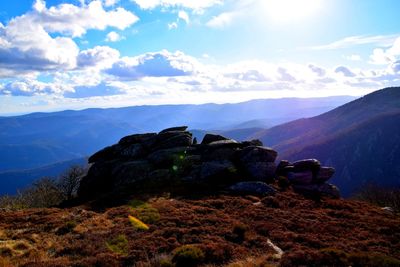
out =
column 361, row 139
column 40, row 139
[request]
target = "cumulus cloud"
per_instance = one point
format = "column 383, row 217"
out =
column 318, row 70
column 184, row 16
column 31, row 88
column 75, row 21
column 159, row 64
column 99, row 56
column 386, row 56
column 27, row 46
column 222, row 20
column 113, row 37
column 345, row 71
column 172, row 25
column 110, row 2
column 196, row 5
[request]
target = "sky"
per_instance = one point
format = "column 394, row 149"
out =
column 76, row 54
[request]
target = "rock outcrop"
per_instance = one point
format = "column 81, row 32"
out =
column 169, row 159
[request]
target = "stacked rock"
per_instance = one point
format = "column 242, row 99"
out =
column 309, row 177
column 170, row 158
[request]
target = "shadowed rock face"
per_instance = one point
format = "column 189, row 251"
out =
column 170, row 159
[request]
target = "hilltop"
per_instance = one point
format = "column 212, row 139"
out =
column 158, row 199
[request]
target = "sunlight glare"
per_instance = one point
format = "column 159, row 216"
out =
column 284, row 11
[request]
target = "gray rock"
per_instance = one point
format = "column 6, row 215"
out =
column 136, row 138
column 209, row 138
column 108, row 153
column 254, row 142
column 167, row 157
column 131, row 172
column 253, row 188
column 214, row 170
column 300, row 178
column 257, row 154
column 224, row 143
column 281, row 168
column 306, row 165
column 172, row 139
column 174, row 129
column 133, row 151
column 324, row 174
column 220, row 153
column 327, row 190
column 260, row 171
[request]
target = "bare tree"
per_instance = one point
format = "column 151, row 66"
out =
column 69, row 181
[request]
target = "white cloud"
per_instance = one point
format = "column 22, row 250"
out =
column 184, row 16
column 99, row 56
column 378, row 40
column 26, row 45
column 110, row 2
column 386, row 56
column 172, row 25
column 196, row 5
column 159, row 64
column 222, row 20
column 75, row 21
column 114, row 37
column 32, row 87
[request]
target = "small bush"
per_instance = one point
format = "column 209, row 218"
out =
column 144, row 211
column 118, row 245
column 138, row 224
column 188, row 256
column 239, row 230
column 381, row 196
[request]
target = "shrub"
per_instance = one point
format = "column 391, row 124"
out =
column 69, row 181
column 144, row 211
column 138, row 224
column 188, row 256
column 381, row 196
column 239, row 230
column 118, row 245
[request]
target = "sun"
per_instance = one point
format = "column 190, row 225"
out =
column 286, row 11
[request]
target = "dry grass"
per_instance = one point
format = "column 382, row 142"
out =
column 230, row 230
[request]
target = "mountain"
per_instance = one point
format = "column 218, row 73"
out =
column 360, row 139
column 11, row 181
column 39, row 139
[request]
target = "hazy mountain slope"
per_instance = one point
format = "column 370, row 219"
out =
column 10, row 181
column 38, row 139
column 366, row 153
column 304, row 132
column 360, row 139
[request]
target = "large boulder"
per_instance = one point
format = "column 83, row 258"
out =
column 209, row 138
column 131, row 172
column 136, row 138
column 252, row 188
column 257, row 154
column 259, row 171
column 168, row 157
column 107, row 153
column 213, row 171
column 300, row 178
column 175, row 129
column 318, row 190
column 324, row 174
column 306, row 165
column 170, row 139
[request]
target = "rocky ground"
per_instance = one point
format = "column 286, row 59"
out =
column 286, row 229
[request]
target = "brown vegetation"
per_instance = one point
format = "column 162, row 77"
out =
column 218, row 231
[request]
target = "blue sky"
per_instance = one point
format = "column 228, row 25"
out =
column 74, row 54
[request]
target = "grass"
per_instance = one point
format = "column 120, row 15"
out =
column 227, row 229
column 138, row 224
column 118, row 245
